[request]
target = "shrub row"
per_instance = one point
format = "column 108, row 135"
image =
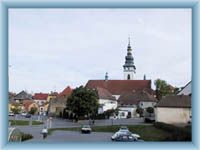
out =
column 26, row 136
column 177, row 133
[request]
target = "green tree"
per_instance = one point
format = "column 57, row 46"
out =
column 109, row 112
column 150, row 110
column 83, row 102
column 33, row 110
column 162, row 88
column 140, row 111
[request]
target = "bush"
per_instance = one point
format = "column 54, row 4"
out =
column 177, row 133
column 100, row 116
column 140, row 111
column 149, row 120
column 26, row 136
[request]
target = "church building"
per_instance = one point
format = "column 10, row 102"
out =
column 128, row 86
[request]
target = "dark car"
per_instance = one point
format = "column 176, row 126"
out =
column 28, row 116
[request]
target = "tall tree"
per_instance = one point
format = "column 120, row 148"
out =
column 162, row 88
column 83, row 102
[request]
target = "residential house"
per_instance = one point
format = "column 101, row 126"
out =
column 128, row 102
column 21, row 96
column 66, row 92
column 58, row 104
column 51, row 96
column 28, row 104
column 40, row 98
column 187, row 90
column 106, row 100
column 174, row 110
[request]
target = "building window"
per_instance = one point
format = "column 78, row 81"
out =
column 128, row 77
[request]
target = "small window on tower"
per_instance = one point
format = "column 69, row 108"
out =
column 128, row 77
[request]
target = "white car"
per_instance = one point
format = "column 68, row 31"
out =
column 11, row 114
column 86, row 129
column 123, row 131
column 23, row 113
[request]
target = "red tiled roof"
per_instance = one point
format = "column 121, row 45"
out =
column 66, row 92
column 117, row 87
column 27, row 103
column 135, row 97
column 104, row 94
column 40, row 96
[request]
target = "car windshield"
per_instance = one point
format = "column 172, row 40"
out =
column 86, row 126
column 123, row 128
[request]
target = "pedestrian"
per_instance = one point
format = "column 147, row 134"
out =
column 44, row 132
column 93, row 121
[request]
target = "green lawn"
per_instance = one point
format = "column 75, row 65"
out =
column 24, row 122
column 147, row 132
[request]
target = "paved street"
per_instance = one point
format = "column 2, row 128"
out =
column 75, row 136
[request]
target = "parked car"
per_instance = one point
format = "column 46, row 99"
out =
column 125, row 137
column 23, row 113
column 86, row 129
column 113, row 117
column 123, row 131
column 11, row 114
column 28, row 116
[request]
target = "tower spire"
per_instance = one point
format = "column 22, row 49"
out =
column 129, row 43
column 129, row 67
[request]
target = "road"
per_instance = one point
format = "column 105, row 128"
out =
column 35, row 130
column 74, row 136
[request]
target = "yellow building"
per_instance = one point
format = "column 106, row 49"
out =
column 51, row 96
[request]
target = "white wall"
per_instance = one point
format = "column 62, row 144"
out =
column 144, row 104
column 107, row 104
column 126, row 75
column 39, row 102
column 172, row 115
column 131, row 109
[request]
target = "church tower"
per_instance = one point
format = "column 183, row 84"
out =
column 129, row 67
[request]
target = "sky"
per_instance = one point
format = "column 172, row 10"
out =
column 50, row 49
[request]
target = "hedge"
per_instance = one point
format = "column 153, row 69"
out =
column 177, row 133
column 26, row 136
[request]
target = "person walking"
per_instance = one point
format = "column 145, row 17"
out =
column 44, row 132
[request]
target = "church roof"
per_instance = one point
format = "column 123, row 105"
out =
column 117, row 87
column 104, row 94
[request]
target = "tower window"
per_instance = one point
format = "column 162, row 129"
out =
column 128, row 77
